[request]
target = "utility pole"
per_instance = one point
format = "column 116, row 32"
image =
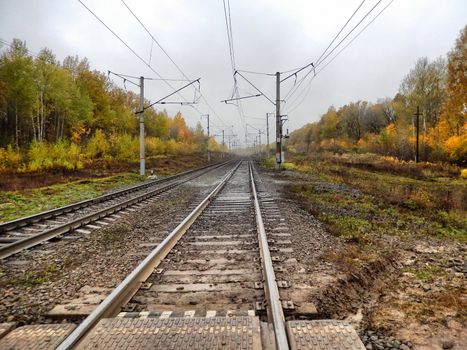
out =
column 142, row 165
column 141, row 127
column 278, row 122
column 417, row 123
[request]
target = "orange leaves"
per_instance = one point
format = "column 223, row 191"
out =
column 456, row 147
column 76, row 132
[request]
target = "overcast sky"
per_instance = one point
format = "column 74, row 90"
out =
column 268, row 36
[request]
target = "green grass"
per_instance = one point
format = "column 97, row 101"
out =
column 386, row 203
column 269, row 163
column 289, row 166
column 348, row 226
column 34, row 278
column 428, row 273
column 17, row 204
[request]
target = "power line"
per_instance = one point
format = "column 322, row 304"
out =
column 335, row 56
column 155, row 40
column 138, row 56
column 228, row 24
column 253, row 72
column 345, row 37
column 175, row 64
column 321, row 59
column 340, row 31
column 355, row 37
column 254, row 86
column 146, row 78
column 115, row 34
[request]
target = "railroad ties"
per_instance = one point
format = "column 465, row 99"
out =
column 85, row 216
column 224, row 278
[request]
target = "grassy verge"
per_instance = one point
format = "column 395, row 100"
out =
column 26, row 194
column 15, row 204
column 387, row 216
column 356, row 203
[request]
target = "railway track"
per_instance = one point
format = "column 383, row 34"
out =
column 30, row 231
column 215, row 267
column 209, row 270
column 218, row 280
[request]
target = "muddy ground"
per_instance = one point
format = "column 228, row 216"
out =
column 399, row 292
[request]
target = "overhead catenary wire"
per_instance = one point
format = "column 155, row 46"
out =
column 254, row 86
column 291, row 109
column 228, row 26
column 296, row 85
column 347, row 35
column 142, row 60
column 155, row 40
column 116, row 35
column 175, row 64
column 257, row 73
column 171, row 94
column 355, row 37
column 340, row 31
column 297, row 70
column 148, row 78
column 321, row 59
column 125, row 78
column 229, row 30
column 130, row 48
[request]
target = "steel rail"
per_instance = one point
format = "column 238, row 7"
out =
column 24, row 221
column 130, row 285
column 35, row 239
column 274, row 305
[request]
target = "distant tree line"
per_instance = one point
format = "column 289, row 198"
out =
column 50, row 110
column 438, row 88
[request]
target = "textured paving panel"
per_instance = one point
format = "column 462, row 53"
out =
column 323, row 335
column 38, row 337
column 175, row 333
column 5, row 328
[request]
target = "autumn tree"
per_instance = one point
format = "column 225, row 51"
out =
column 329, row 124
column 424, row 87
column 455, row 106
column 351, row 116
column 18, row 94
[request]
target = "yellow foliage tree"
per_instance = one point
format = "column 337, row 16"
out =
column 456, row 147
